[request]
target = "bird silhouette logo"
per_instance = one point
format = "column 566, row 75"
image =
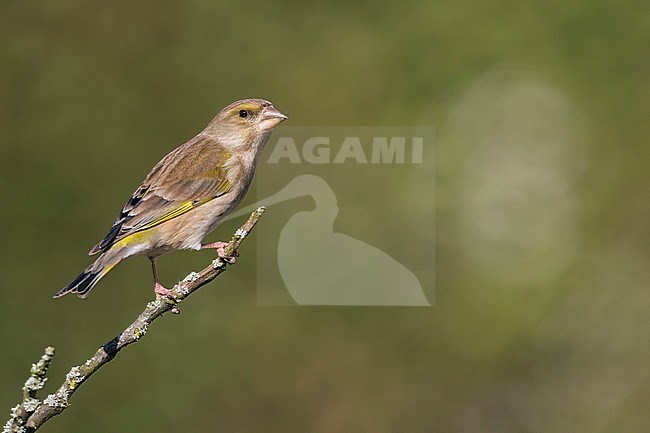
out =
column 321, row 267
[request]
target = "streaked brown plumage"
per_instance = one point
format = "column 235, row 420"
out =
column 187, row 194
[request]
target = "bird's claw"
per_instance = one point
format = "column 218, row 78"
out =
column 226, row 258
column 165, row 294
column 161, row 291
column 221, row 251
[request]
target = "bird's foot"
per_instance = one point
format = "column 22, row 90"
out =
column 161, row 291
column 221, row 252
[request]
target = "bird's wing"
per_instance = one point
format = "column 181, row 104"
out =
column 186, row 178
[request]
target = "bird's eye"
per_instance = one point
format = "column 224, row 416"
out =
column 243, row 113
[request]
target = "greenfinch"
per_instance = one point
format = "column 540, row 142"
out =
column 187, row 194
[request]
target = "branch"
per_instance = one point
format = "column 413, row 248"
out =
column 31, row 413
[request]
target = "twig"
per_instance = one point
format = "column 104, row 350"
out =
column 31, row 413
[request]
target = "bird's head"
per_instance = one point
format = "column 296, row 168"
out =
column 246, row 121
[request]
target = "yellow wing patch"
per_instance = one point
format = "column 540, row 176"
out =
column 172, row 214
column 133, row 239
column 223, row 187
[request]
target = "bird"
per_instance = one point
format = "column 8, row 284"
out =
column 187, row 194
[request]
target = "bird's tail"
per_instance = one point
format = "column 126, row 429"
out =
column 83, row 284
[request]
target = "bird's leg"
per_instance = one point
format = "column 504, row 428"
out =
column 158, row 288
column 161, row 290
column 221, row 252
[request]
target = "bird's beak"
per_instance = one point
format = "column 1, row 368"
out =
column 270, row 117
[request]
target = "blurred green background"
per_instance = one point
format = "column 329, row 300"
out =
column 542, row 200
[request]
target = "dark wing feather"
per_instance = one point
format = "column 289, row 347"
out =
column 188, row 177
